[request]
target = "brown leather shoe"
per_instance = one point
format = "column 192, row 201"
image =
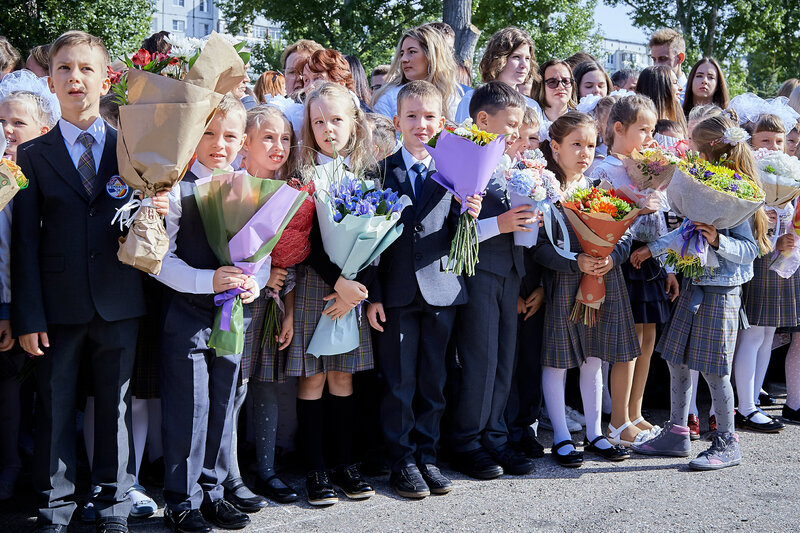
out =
column 694, row 427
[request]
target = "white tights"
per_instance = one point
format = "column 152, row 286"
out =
column 750, row 367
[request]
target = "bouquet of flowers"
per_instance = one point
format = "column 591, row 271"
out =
column 599, row 217
column 12, row 180
column 358, row 220
column 708, row 193
column 530, row 183
column 159, row 129
column 651, row 168
column 243, row 218
column 465, row 158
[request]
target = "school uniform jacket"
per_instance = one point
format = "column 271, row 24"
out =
column 64, row 265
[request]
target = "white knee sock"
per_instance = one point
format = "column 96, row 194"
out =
column 762, row 361
column 591, row 383
column 139, row 421
column 553, row 381
column 792, row 369
column 744, row 367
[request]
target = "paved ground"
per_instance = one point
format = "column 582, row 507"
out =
column 641, row 494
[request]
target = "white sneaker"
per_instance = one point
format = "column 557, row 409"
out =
column 576, row 416
column 544, row 422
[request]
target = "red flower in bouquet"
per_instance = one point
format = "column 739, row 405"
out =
column 141, row 58
column 114, row 76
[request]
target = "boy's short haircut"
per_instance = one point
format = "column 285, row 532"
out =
column 383, row 132
column 664, row 125
column 670, row 37
column 530, row 118
column 41, row 54
column 75, row 38
column 232, row 107
column 621, row 77
column 493, row 97
column 380, row 70
column 420, row 89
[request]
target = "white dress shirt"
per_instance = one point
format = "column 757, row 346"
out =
column 410, row 161
column 70, row 133
column 175, row 273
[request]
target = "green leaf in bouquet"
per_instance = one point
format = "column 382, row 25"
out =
column 229, row 342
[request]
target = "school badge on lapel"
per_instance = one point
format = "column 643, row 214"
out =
column 116, row 188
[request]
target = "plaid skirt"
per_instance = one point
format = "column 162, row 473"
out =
column 567, row 344
column 261, row 363
column 706, row 340
column 770, row 300
column 308, row 306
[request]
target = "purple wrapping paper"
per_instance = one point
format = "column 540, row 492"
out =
column 463, row 167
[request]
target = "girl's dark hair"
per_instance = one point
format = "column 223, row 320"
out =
column 360, row 84
column 157, row 43
column 626, row 112
column 586, row 67
column 720, row 97
column 656, row 83
column 563, row 126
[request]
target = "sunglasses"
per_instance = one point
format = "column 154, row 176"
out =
column 552, row 83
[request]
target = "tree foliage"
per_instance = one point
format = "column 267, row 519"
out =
column 122, row 24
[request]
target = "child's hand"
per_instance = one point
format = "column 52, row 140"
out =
column 592, row 265
column 520, row 305
column 474, row 205
column 277, row 277
column 639, row 256
column 534, row 302
column 786, row 243
column 515, row 219
column 161, row 203
column 251, row 286
column 284, row 338
column 673, row 289
column 352, row 292
column 6, row 340
column 228, row 277
column 30, row 342
column 604, row 266
column 339, row 307
column 709, row 232
column 374, row 314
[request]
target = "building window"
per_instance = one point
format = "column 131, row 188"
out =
column 154, row 24
column 178, row 25
column 179, row 2
column 259, row 32
column 275, row 34
column 203, row 6
column 206, row 29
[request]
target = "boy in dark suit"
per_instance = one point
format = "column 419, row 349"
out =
column 73, row 298
column 486, row 328
column 415, row 299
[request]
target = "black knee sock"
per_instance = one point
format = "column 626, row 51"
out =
column 309, row 433
column 340, row 415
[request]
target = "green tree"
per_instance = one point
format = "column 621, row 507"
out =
column 366, row 28
column 122, row 24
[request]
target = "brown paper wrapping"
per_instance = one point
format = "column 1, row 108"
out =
column 159, row 130
column 778, row 195
column 8, row 186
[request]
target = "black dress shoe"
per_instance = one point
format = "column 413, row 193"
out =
column 42, row 527
column 512, row 461
column 352, row 484
column 614, row 453
column 765, row 398
column 224, row 515
column 408, row 482
column 573, row 459
column 112, row 524
column 791, row 415
column 746, row 422
column 319, row 488
column 275, row 489
column 236, row 492
column 477, row 464
column 531, row 447
column 435, row 480
column 189, row 521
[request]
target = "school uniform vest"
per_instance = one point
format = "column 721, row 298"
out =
column 498, row 254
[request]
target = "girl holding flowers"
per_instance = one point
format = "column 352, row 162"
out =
column 568, row 344
column 650, row 289
column 703, row 330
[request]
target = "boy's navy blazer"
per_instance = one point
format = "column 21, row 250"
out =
column 64, row 265
column 419, row 256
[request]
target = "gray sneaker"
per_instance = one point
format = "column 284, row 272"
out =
column 723, row 452
column 672, row 440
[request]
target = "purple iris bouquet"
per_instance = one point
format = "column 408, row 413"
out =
column 352, row 196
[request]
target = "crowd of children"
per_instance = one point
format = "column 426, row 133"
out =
column 446, row 364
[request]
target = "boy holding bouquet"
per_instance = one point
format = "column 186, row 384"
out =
column 198, row 384
column 413, row 299
column 74, row 298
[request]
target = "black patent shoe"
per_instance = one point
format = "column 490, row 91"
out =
column 766, row 399
column 746, row 422
column 276, row 489
column 224, row 515
column 408, row 483
column 436, row 481
column 573, row 459
column 189, row 521
column 477, row 464
column 512, row 461
column 791, row 415
column 319, row 489
column 237, row 493
column 614, row 453
column 352, row 484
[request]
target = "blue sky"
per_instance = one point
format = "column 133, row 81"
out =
column 615, row 23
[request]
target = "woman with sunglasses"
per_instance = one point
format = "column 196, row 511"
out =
column 556, row 93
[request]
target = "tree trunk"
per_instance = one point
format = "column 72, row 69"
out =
column 458, row 13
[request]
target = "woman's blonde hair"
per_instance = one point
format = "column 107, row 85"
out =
column 441, row 65
column 359, row 146
column 707, row 136
column 256, row 118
